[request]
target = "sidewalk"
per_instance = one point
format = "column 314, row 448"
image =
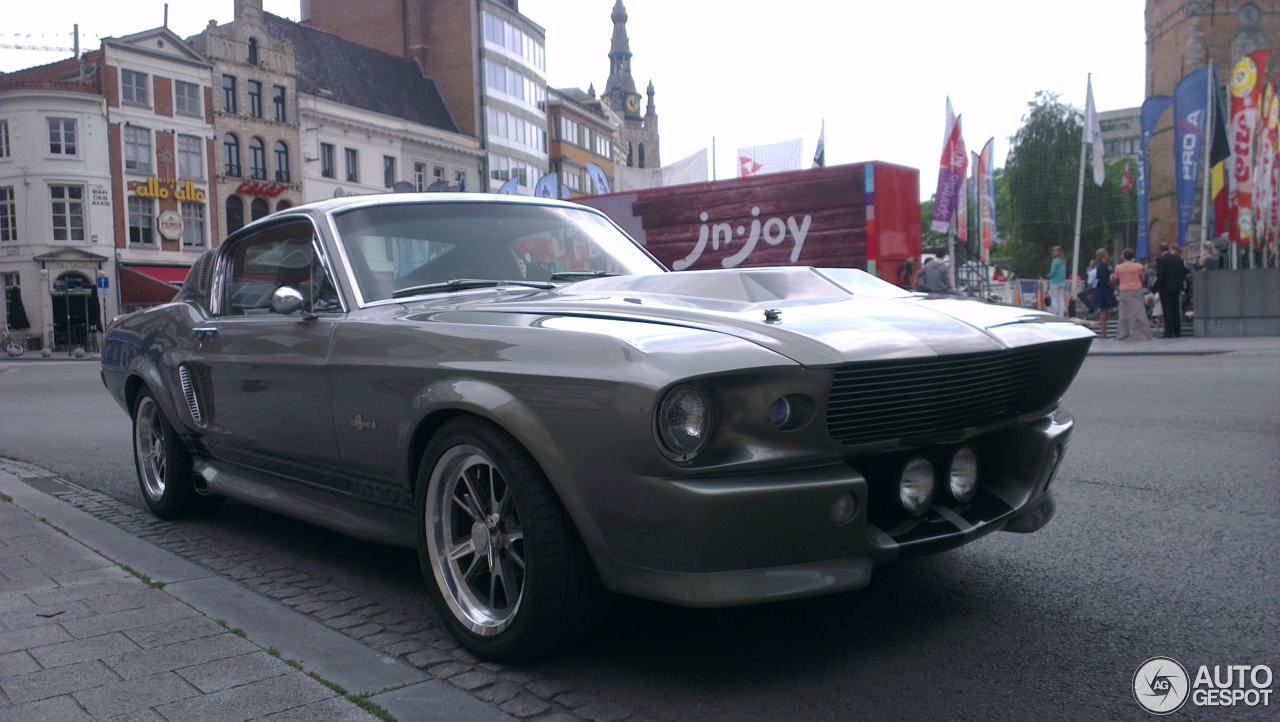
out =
column 1189, row 346
column 96, row 624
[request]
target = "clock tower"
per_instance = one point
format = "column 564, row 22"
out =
column 640, row 119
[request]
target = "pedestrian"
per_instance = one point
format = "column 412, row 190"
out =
column 907, row 272
column 998, row 275
column 935, row 276
column 1104, row 293
column 1058, row 282
column 1208, row 260
column 1171, row 278
column 1130, row 281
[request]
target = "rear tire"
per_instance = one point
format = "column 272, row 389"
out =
column 503, row 563
column 164, row 464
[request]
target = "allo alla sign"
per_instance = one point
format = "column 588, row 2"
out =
column 167, row 188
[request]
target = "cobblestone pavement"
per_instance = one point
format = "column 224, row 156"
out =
column 522, row 694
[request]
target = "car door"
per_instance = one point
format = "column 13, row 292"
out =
column 265, row 372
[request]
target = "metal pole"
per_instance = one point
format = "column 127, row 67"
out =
column 1075, row 248
column 1204, row 155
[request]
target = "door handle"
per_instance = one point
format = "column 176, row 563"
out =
column 204, row 333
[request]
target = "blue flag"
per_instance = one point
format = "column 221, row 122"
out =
column 511, row 187
column 1190, row 118
column 598, row 177
column 1152, row 109
column 547, row 186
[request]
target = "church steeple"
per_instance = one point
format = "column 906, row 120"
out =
column 620, row 90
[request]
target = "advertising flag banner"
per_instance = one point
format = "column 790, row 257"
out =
column 1246, row 92
column 1152, row 109
column 986, row 198
column 1190, row 116
column 1263, row 157
column 1219, row 161
column 951, row 170
column 511, row 187
column 820, row 155
column 772, row 158
column 1093, row 135
column 962, row 210
column 598, row 177
column 548, row 186
column 1126, row 180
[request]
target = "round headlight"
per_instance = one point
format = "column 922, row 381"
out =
column 780, row 413
column 963, row 480
column 684, row 421
column 915, row 487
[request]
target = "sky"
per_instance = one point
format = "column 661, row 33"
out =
column 752, row 72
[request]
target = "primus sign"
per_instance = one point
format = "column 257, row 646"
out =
column 861, row 215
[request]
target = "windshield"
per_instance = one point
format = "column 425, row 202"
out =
column 408, row 246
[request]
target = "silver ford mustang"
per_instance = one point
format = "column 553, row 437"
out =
column 516, row 389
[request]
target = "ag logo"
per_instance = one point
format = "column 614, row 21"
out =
column 1161, row 685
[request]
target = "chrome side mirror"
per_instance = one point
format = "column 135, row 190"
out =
column 285, row 300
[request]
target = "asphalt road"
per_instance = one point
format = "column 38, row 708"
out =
column 1165, row 544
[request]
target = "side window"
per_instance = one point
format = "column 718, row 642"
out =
column 282, row 255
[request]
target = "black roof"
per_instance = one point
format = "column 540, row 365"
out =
column 359, row 76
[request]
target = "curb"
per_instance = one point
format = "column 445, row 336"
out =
column 406, row 692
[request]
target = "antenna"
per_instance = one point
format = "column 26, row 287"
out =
column 166, row 15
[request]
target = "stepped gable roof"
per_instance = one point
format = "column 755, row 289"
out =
column 352, row 74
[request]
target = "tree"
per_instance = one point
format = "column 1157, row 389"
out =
column 1042, row 176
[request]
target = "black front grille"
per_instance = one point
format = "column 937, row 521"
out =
column 885, row 400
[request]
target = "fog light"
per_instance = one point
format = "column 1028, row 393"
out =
column 780, row 412
column 843, row 509
column 963, row 479
column 915, row 487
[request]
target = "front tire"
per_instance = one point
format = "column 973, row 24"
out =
column 164, row 464
column 503, row 564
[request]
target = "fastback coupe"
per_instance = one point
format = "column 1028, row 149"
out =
column 519, row 391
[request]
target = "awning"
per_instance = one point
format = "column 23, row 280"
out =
column 150, row 285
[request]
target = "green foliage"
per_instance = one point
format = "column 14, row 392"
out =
column 1041, row 181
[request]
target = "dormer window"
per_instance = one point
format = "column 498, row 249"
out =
column 253, row 51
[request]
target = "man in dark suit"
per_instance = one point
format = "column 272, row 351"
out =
column 1171, row 276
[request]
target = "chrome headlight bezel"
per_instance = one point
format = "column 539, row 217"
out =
column 673, row 412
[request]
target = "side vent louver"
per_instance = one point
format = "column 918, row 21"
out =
column 189, row 393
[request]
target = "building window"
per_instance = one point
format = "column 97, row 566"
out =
column 282, row 205
column 190, row 157
column 231, row 151
column 326, row 161
column 133, row 88
column 353, row 165
column 259, row 208
column 62, row 136
column 388, row 171
column 229, row 93
column 569, row 130
column 255, row 98
column 140, row 221
column 573, row 179
column 282, row 162
column 4, row 139
column 137, row 149
column 8, row 215
column 641, row 155
column 420, row 176
column 257, row 159
column 253, row 51
column 68, row 212
column 186, row 98
column 278, row 99
column 193, row 224
column 602, row 145
column 235, row 214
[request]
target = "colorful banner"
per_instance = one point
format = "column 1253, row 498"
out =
column 962, row 211
column 986, row 205
column 1190, row 116
column 1219, row 157
column 1264, row 160
column 1093, row 135
column 1246, row 90
column 1152, row 109
column 951, row 170
column 772, row 158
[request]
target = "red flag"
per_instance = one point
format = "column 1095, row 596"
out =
column 1126, row 183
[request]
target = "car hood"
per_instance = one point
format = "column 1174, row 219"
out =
column 810, row 318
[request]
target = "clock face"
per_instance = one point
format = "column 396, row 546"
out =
column 633, row 104
column 605, row 99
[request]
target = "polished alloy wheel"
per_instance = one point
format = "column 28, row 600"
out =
column 149, row 447
column 476, row 540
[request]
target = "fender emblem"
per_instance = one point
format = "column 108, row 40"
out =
column 360, row 424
